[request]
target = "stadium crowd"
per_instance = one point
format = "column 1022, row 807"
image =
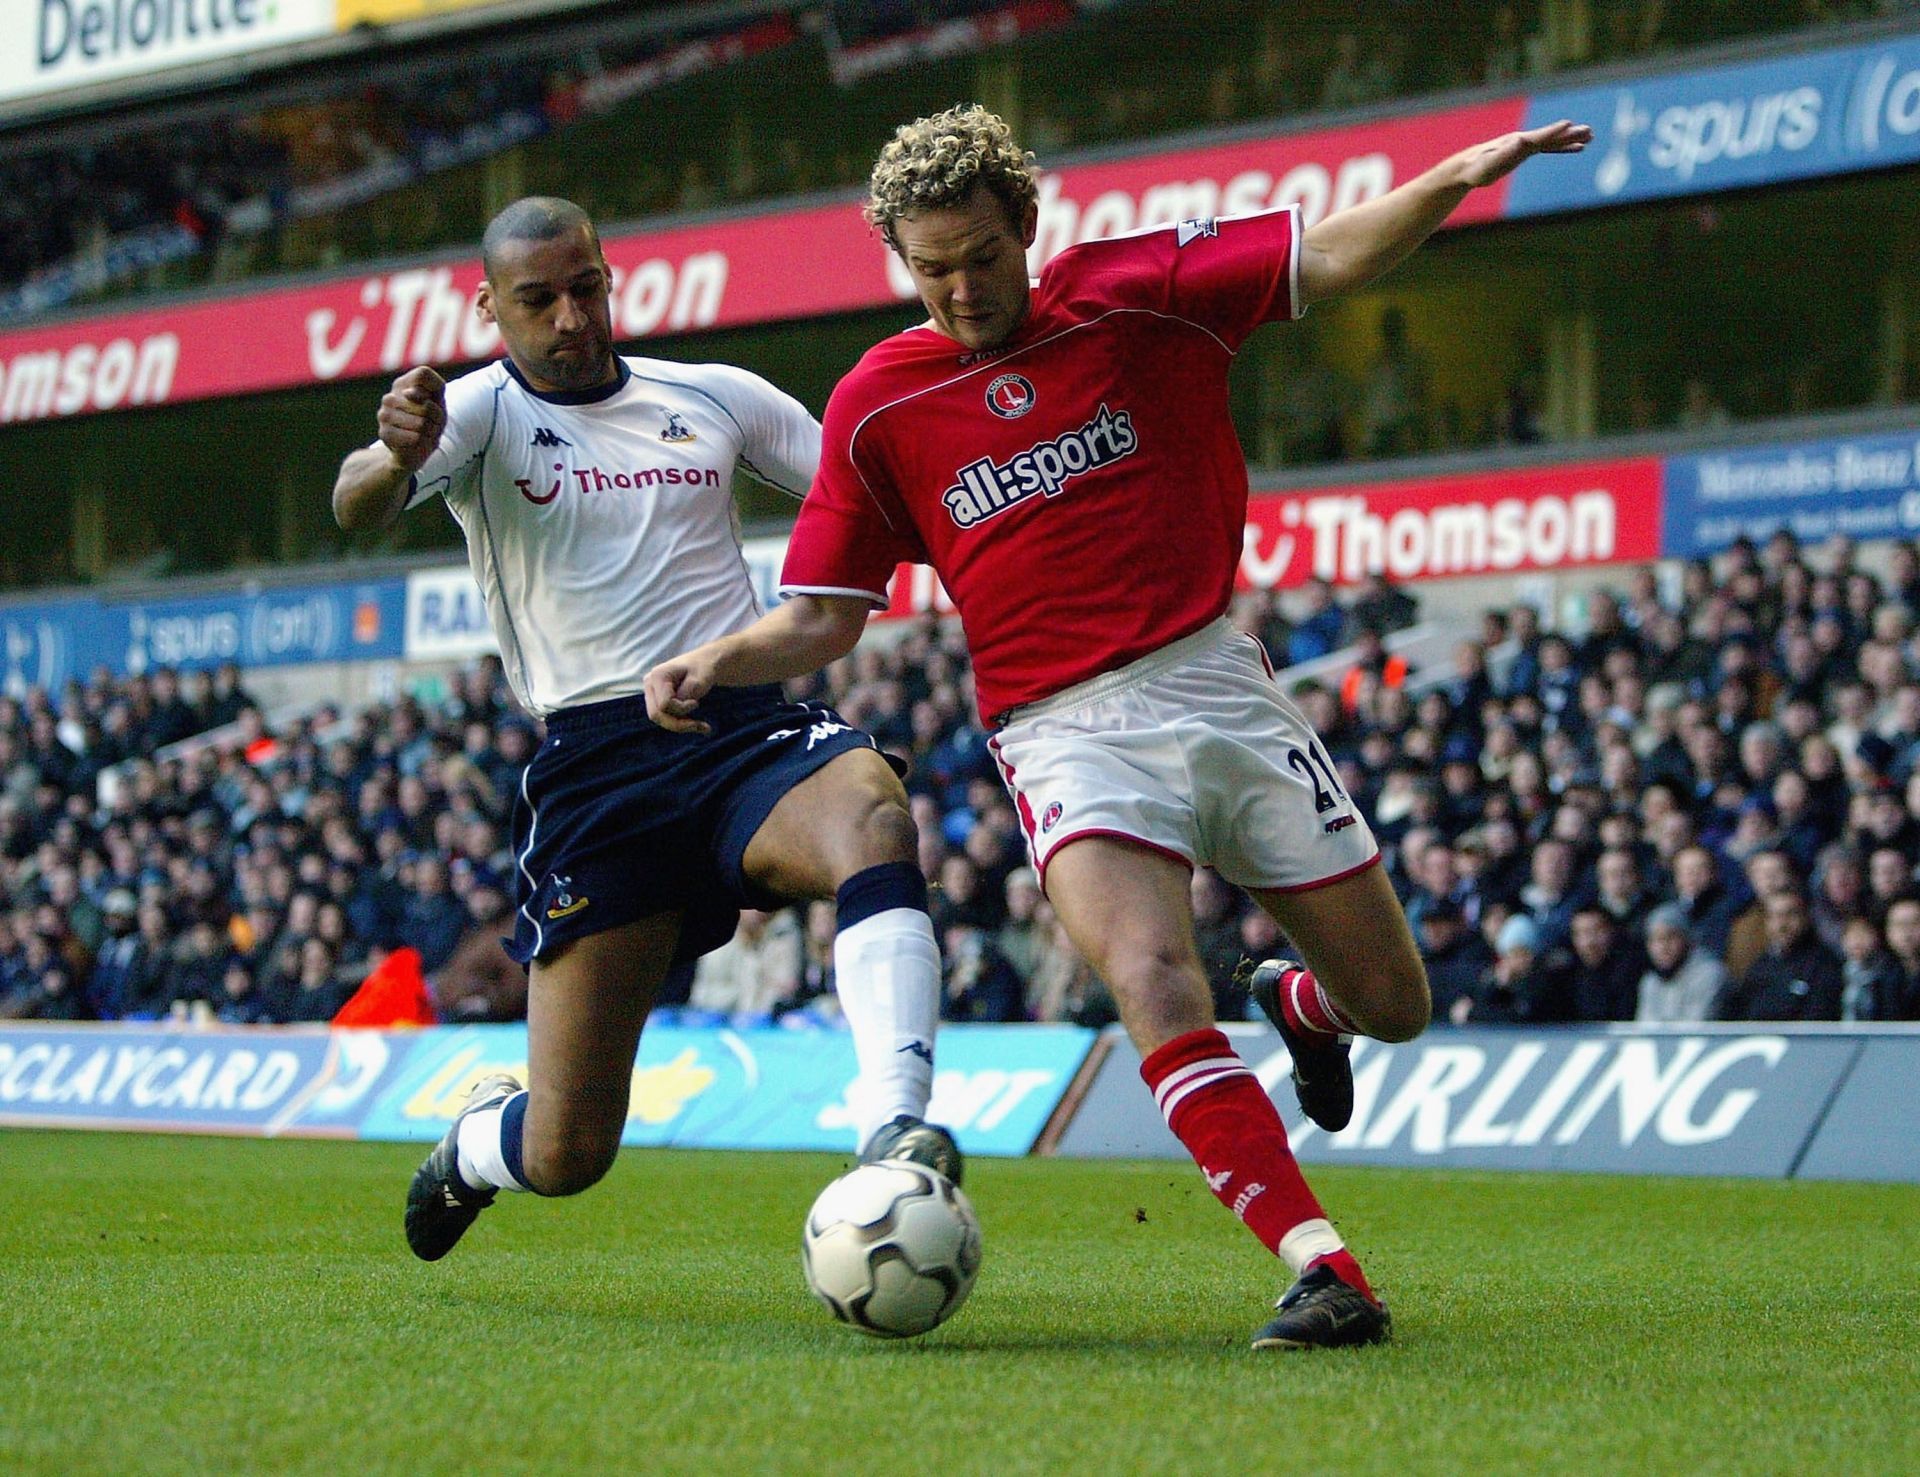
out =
column 1703, row 804
column 97, row 214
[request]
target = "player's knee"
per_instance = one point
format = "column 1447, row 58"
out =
column 1152, row 973
column 1402, row 1011
column 881, row 831
column 566, row 1169
column 890, row 831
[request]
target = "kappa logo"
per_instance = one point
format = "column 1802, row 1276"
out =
column 826, row 728
column 1011, row 396
column 544, row 437
column 677, row 430
column 1194, row 228
column 565, row 904
column 1051, row 816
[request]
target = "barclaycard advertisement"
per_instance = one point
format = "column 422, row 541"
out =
column 1724, row 128
column 995, row 1086
column 254, row 1081
column 1715, row 1101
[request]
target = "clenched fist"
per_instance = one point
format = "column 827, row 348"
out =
column 413, row 413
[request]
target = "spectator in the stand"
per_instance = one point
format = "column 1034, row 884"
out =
column 1216, row 928
column 755, row 974
column 1700, row 408
column 1797, row 978
column 1525, row 985
column 479, row 982
column 1065, row 988
column 1394, row 407
column 1317, row 631
column 318, row 991
column 1457, row 957
column 194, row 966
column 1512, row 53
column 1621, row 893
column 1768, row 873
column 1709, row 905
column 1379, row 605
column 431, row 920
column 1682, row 984
column 1549, row 899
column 979, row 983
column 1883, row 984
column 238, row 1003
column 1022, row 935
column 119, row 965
column 1358, row 74
column 1608, row 963
column 1839, row 892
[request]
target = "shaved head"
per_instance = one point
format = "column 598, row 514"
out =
column 536, row 218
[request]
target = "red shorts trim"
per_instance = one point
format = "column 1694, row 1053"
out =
column 1372, row 861
column 1141, row 842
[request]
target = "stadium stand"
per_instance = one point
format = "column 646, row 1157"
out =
column 310, row 182
column 1705, row 803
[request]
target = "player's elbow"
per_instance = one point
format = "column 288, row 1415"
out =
column 829, row 625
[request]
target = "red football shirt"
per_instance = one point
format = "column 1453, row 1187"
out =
column 1080, row 490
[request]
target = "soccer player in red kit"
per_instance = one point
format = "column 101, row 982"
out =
column 1061, row 453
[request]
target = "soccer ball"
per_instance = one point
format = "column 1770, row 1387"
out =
column 891, row 1248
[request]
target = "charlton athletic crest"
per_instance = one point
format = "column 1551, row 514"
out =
column 1051, row 816
column 1010, row 396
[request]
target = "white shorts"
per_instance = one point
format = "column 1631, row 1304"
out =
column 1192, row 751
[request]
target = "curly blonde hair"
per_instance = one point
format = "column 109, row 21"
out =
column 932, row 163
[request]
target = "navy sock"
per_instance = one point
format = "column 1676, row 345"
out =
column 513, row 1128
column 880, row 889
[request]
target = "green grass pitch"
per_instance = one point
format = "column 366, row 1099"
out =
column 212, row 1305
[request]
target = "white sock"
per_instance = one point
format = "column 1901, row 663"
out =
column 886, row 969
column 482, row 1156
column 1308, row 1240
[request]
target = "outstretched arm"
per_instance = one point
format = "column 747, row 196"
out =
column 800, row 635
column 1351, row 248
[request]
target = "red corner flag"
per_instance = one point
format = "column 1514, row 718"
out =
column 395, row 994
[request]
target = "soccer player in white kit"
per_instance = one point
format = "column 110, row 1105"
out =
column 1061, row 453
column 595, row 491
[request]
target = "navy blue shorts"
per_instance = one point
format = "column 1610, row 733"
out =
column 618, row 820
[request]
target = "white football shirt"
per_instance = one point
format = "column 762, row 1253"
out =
column 600, row 523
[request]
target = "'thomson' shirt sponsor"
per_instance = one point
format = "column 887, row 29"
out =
column 1080, row 491
column 600, row 524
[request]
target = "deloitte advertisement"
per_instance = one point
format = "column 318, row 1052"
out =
column 996, row 1086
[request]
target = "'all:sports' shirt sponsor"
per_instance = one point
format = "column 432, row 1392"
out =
column 1080, row 490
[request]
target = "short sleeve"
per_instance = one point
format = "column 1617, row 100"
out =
column 472, row 404
column 1230, row 274
column 780, row 441
column 851, row 533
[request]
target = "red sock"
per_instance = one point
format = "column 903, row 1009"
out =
column 1308, row 1009
column 1217, row 1108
